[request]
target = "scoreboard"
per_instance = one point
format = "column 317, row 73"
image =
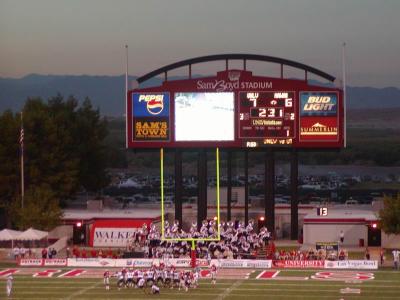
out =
column 235, row 109
column 266, row 116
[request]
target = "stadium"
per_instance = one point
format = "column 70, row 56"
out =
column 223, row 245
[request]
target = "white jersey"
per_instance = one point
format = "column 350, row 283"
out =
column 149, row 275
column 159, row 274
column 120, row 276
column 167, row 274
column 155, row 289
column 196, row 276
column 141, row 282
column 396, row 255
column 9, row 285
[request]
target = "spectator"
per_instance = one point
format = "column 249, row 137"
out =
column 22, row 251
column 68, row 252
column 75, row 252
column 44, row 253
column 109, row 253
column 93, row 253
column 341, row 235
column 396, row 257
column 367, row 254
column 342, row 255
column 16, row 252
column 382, row 256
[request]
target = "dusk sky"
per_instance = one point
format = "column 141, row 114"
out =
column 88, row 36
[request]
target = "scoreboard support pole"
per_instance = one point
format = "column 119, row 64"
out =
column 294, row 201
column 202, row 187
column 178, row 186
column 229, row 186
column 269, row 193
column 246, row 187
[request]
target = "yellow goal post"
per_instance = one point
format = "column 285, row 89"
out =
column 192, row 240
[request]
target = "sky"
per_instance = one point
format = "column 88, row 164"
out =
column 75, row 37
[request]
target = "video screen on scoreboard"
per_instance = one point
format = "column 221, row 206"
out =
column 204, row 116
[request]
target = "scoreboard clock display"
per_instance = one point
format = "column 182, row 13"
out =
column 267, row 118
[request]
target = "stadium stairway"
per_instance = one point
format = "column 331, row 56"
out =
column 266, row 252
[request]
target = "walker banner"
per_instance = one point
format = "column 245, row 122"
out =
column 112, row 237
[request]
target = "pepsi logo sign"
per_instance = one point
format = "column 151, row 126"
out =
column 155, row 103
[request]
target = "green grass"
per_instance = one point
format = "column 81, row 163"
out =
column 386, row 285
column 4, row 265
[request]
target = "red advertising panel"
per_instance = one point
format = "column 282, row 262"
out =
column 319, row 117
column 235, row 109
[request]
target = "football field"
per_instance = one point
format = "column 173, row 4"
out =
column 285, row 284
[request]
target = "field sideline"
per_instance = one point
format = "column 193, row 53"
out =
column 290, row 284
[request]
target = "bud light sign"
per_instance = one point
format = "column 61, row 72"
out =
column 313, row 104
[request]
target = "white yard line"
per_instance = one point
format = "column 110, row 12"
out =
column 82, row 291
column 248, row 274
column 229, row 290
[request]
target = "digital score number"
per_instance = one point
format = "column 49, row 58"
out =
column 267, row 118
column 322, row 211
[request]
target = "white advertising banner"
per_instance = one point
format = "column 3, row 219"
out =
column 112, row 237
column 31, row 262
column 92, row 262
column 244, row 263
column 352, row 264
column 135, row 262
column 177, row 262
column 34, row 262
column 59, row 262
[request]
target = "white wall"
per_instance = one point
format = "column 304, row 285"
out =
column 61, row 231
column 237, row 193
column 313, row 233
column 390, row 241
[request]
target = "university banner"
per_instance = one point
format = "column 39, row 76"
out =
column 300, row 264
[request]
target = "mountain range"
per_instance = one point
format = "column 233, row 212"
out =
column 107, row 92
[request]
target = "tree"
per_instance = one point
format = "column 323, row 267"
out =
column 9, row 162
column 390, row 215
column 49, row 145
column 41, row 209
column 63, row 152
column 91, row 132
